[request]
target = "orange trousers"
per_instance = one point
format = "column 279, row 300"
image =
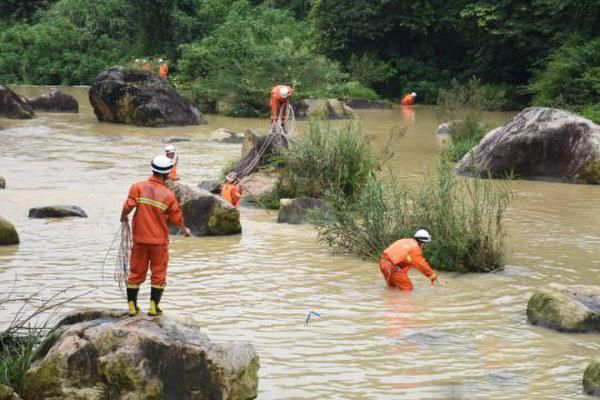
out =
column 155, row 256
column 395, row 277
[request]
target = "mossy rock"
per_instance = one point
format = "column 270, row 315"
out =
column 8, row 233
column 6, row 392
column 44, row 381
column 591, row 379
column 224, row 221
column 589, row 173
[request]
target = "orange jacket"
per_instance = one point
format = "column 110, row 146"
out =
column 155, row 206
column 407, row 100
column 173, row 174
column 277, row 101
column 406, row 253
column 232, row 193
column 163, row 70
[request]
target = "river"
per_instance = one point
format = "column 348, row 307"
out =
column 468, row 339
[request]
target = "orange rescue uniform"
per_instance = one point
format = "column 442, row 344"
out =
column 156, row 206
column 408, row 100
column 173, row 174
column 163, row 70
column 398, row 258
column 277, row 101
column 232, row 193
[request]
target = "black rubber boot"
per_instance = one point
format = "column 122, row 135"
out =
column 155, row 295
column 132, row 294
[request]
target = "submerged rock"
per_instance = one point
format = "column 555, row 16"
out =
column 176, row 140
column 2, row 182
column 369, row 104
column 324, row 108
column 55, row 100
column 572, row 308
column 139, row 97
column 57, row 212
column 103, row 354
column 223, row 135
column 591, row 379
column 8, row 233
column 14, row 106
column 294, row 211
column 205, row 213
column 542, row 143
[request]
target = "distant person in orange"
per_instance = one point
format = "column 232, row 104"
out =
column 146, row 65
column 231, row 190
column 170, row 153
column 403, row 255
column 156, row 207
column 409, row 99
column 280, row 95
column 163, row 69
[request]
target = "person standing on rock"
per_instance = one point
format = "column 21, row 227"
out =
column 409, row 99
column 231, row 190
column 404, row 254
column 280, row 95
column 170, row 153
column 156, row 207
column 163, row 70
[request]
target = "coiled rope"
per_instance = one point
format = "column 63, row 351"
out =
column 122, row 238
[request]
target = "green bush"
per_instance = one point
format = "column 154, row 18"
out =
column 464, row 216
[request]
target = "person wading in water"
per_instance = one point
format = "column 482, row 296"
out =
column 156, row 206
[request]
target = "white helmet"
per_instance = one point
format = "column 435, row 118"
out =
column 160, row 60
column 413, row 94
column 162, row 164
column 169, row 148
column 422, row 235
column 284, row 92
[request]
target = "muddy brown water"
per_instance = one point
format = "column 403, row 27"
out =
column 468, row 339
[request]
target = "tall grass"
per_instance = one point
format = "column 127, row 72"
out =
column 464, row 216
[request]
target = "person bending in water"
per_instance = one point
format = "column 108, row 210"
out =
column 403, row 255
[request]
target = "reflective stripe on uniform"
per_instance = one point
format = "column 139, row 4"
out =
column 158, row 204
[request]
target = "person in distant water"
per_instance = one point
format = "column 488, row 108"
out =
column 409, row 99
column 170, row 153
column 146, row 65
column 403, row 255
column 163, row 69
column 156, row 207
column 280, row 95
column 231, row 190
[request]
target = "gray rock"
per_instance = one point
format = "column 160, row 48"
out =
column 591, row 379
column 59, row 211
column 55, row 100
column 8, row 233
column 104, row 354
column 223, row 135
column 139, row 97
column 176, row 140
column 14, row 106
column 205, row 213
column 370, row 104
column 445, row 128
column 2, row 182
column 539, row 143
column 572, row 308
column 294, row 211
column 212, row 186
column 257, row 185
column 324, row 108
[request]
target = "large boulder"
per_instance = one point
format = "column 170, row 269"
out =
column 8, row 233
column 212, row 186
column 103, row 354
column 257, row 185
column 2, row 182
column 257, row 151
column 205, row 213
column 542, row 143
column 14, row 106
column 324, row 109
column 591, row 379
column 570, row 308
column 294, row 211
column 55, row 100
column 139, row 97
column 57, row 212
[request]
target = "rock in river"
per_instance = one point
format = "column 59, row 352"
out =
column 2, row 182
column 104, row 354
column 543, row 143
column 57, row 212
column 294, row 211
column 55, row 100
column 139, row 97
column 324, row 108
column 205, row 213
column 14, row 106
column 573, row 308
column 8, row 233
column 591, row 379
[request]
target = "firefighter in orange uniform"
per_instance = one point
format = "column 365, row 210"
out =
column 170, row 152
column 280, row 95
column 231, row 190
column 156, row 206
column 409, row 99
column 163, row 70
column 403, row 255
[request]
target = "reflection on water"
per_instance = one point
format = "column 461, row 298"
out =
column 466, row 340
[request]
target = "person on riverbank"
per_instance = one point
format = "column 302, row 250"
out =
column 403, row 255
column 163, row 70
column 146, row 65
column 170, row 153
column 409, row 99
column 280, row 95
column 231, row 190
column 156, row 207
